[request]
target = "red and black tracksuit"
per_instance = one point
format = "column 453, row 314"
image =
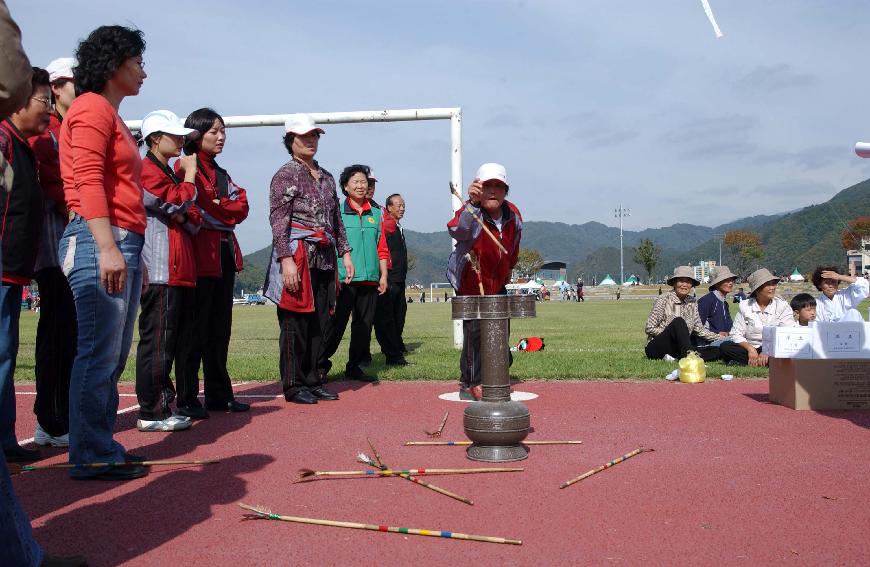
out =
column 20, row 228
column 166, row 320
column 218, row 258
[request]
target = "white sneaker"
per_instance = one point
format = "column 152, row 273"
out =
column 668, row 358
column 40, row 437
column 171, row 423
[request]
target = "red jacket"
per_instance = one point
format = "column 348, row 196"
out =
column 168, row 252
column 54, row 208
column 218, row 219
column 495, row 266
column 48, row 162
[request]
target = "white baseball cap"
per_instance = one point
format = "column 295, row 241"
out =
column 167, row 122
column 60, row 68
column 372, row 176
column 301, row 124
column 489, row 171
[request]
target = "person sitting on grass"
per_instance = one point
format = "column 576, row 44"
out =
column 477, row 264
column 804, row 307
column 713, row 307
column 762, row 309
column 674, row 327
column 839, row 304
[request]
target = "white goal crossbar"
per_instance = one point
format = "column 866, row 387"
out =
column 353, row 117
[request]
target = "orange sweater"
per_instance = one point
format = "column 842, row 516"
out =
column 100, row 164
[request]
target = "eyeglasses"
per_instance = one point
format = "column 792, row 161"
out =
column 46, row 101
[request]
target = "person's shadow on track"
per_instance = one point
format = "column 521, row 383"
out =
column 119, row 529
column 43, row 492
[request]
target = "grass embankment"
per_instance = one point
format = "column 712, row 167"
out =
column 585, row 341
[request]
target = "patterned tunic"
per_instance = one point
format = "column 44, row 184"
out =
column 295, row 195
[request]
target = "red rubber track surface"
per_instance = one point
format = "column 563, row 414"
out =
column 733, row 480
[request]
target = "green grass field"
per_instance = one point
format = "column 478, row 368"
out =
column 596, row 340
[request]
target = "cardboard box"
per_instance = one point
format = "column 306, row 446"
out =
column 837, row 384
column 788, row 342
column 844, row 339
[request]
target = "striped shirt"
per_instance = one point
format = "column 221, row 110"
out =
column 667, row 308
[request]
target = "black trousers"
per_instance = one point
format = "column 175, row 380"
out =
column 470, row 373
column 213, row 327
column 56, row 338
column 361, row 301
column 390, row 321
column 735, row 352
column 301, row 338
column 676, row 341
column 166, row 333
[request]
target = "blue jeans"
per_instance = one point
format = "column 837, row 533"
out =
column 10, row 313
column 17, row 546
column 105, row 324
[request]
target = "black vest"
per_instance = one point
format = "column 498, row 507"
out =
column 21, row 210
column 398, row 256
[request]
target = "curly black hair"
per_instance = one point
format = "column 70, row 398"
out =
column 201, row 120
column 816, row 278
column 100, row 55
column 349, row 172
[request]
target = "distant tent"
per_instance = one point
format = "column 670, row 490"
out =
column 632, row 280
column 795, row 276
column 607, row 281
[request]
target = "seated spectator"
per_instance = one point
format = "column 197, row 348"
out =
column 804, row 307
column 762, row 309
column 674, row 327
column 839, row 304
column 713, row 307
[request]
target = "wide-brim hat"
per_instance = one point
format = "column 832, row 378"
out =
column 719, row 275
column 167, row 122
column 301, row 124
column 684, row 272
column 760, row 277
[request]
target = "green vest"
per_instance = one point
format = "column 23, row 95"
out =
column 363, row 233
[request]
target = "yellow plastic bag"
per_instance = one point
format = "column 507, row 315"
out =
column 692, row 370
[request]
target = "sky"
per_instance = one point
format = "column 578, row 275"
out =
column 590, row 104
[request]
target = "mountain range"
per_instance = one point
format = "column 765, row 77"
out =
column 803, row 238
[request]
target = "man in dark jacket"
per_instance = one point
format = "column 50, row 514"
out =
column 390, row 315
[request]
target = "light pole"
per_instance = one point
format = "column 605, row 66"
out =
column 621, row 213
column 719, row 237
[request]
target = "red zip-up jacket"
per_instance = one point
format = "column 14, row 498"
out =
column 45, row 147
column 168, row 251
column 496, row 266
column 48, row 161
column 218, row 220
